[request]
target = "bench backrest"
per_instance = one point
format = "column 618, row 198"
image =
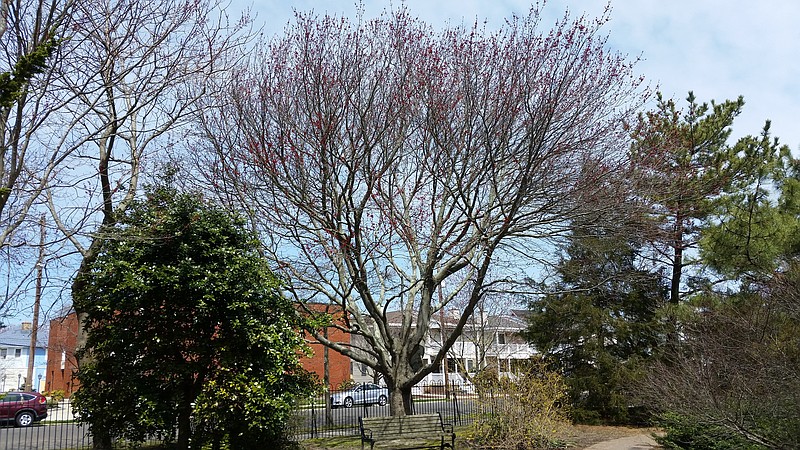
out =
column 396, row 427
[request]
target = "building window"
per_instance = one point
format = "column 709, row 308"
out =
column 470, row 366
column 17, row 352
column 501, row 338
column 3, row 353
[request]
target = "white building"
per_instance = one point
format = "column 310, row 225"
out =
column 15, row 344
column 487, row 341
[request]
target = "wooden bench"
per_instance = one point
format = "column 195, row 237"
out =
column 395, row 432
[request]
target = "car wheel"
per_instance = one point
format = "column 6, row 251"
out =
column 348, row 402
column 24, row 419
column 382, row 400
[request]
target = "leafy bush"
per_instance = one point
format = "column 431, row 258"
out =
column 485, row 381
column 521, row 413
column 189, row 337
column 346, row 385
column 53, row 397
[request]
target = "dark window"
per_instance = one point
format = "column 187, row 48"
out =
column 451, row 365
column 12, row 397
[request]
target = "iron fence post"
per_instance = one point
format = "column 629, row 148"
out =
column 456, row 410
column 313, row 418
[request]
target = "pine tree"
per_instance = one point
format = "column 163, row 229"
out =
column 600, row 321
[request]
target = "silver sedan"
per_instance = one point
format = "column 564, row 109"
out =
column 368, row 394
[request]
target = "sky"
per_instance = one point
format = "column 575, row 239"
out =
column 719, row 49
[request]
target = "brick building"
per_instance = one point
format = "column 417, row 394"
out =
column 61, row 362
column 338, row 364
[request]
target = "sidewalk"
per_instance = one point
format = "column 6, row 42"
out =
column 61, row 412
column 638, row 442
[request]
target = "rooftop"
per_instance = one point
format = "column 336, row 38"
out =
column 19, row 335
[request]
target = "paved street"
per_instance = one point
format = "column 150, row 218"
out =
column 52, row 435
column 43, row 437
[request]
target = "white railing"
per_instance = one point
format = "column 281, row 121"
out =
column 514, row 351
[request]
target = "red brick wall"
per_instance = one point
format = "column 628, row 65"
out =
column 338, row 364
column 63, row 340
column 61, row 363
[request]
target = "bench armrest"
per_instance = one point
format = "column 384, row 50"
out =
column 447, row 427
column 366, row 434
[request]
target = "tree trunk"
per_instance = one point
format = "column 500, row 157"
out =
column 675, row 282
column 78, row 284
column 184, row 427
column 677, row 269
column 101, row 441
column 400, row 400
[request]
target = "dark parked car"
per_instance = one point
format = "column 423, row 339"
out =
column 362, row 394
column 24, row 408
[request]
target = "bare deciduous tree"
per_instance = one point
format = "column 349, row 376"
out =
column 114, row 95
column 30, row 34
column 3, row 16
column 128, row 74
column 478, row 342
column 128, row 79
column 134, row 74
column 738, row 367
column 384, row 158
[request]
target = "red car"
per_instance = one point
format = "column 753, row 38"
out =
column 24, row 408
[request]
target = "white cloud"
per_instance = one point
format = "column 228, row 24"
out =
column 720, row 50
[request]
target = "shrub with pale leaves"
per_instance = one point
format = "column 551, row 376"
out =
column 524, row 412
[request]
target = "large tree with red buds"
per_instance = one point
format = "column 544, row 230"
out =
column 392, row 165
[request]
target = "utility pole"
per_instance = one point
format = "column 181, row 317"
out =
column 36, row 303
column 441, row 328
column 327, row 379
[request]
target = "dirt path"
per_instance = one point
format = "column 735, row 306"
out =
column 637, row 442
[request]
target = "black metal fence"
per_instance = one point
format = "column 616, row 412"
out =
column 458, row 405
column 317, row 417
column 58, row 431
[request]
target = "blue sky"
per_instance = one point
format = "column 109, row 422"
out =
column 719, row 49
